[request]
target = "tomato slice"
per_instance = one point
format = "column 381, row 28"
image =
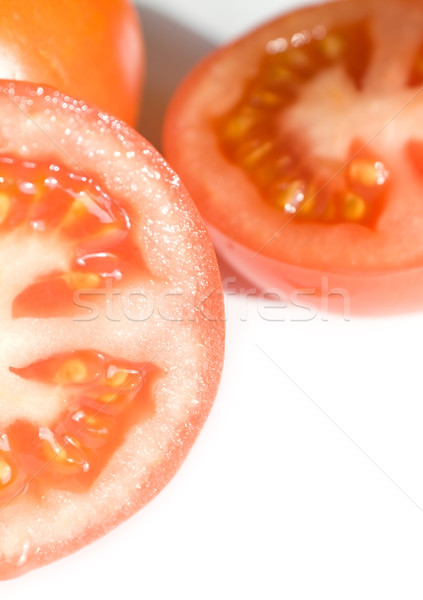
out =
column 301, row 146
column 112, row 324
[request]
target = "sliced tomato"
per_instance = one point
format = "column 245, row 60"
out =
column 91, row 50
column 112, row 324
column 301, row 144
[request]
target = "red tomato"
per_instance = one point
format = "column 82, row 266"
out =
column 112, row 324
column 301, row 144
column 91, row 50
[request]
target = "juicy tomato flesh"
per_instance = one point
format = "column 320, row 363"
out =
column 112, row 324
column 301, row 144
column 44, row 198
column 279, row 167
column 103, row 394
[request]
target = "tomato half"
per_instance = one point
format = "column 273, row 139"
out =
column 90, row 50
column 112, row 324
column 302, row 145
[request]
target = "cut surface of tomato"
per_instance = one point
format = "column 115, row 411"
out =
column 112, row 324
column 91, row 50
column 300, row 145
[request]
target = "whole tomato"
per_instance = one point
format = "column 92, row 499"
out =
column 90, row 50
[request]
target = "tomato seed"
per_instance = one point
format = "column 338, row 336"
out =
column 5, row 472
column 77, row 280
column 368, row 173
column 291, row 197
column 4, row 207
column 72, row 371
column 354, row 207
column 333, row 46
column 118, row 379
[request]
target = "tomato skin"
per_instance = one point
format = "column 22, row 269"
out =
column 346, row 294
column 89, row 50
column 187, row 336
column 378, row 267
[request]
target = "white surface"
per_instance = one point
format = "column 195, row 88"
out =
column 222, row 20
column 307, row 480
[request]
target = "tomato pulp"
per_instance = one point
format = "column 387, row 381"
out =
column 112, row 324
column 301, row 145
column 90, row 50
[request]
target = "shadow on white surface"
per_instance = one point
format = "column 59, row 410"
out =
column 172, row 50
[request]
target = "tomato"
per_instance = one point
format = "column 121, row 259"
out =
column 301, row 144
column 90, row 50
column 112, row 324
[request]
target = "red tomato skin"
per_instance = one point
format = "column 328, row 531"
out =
column 90, row 50
column 345, row 294
column 210, row 323
column 257, row 250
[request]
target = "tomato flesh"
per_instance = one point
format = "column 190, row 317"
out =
column 103, row 396
column 280, row 167
column 300, row 144
column 112, row 324
column 47, row 197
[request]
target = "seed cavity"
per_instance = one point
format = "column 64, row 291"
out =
column 105, row 397
column 46, row 199
column 67, row 452
column 254, row 137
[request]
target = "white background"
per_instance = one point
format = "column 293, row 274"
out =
column 307, row 480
